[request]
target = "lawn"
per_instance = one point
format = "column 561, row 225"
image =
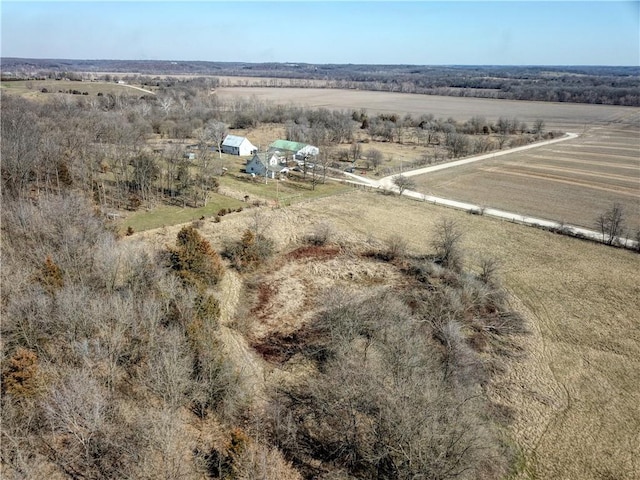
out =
column 172, row 215
column 282, row 192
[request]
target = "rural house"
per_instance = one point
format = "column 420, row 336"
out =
column 297, row 150
column 266, row 164
column 234, row 145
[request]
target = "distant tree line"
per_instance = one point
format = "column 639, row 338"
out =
column 576, row 84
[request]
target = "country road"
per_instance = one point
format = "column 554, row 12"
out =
column 137, row 88
column 386, row 183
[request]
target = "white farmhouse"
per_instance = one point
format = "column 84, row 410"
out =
column 235, row 145
column 266, row 165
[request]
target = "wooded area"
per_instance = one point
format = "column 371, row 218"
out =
column 577, row 84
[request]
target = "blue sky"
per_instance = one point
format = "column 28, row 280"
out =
column 418, row 32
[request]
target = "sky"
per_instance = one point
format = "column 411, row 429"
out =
column 507, row 32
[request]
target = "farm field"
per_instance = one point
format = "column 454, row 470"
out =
column 571, row 181
column 33, row 88
column 574, row 396
column 563, row 116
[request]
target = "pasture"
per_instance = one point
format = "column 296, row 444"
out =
column 573, row 397
column 33, row 88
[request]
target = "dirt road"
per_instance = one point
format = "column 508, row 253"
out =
column 387, row 183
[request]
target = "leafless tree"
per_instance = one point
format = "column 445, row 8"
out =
column 355, row 151
column 446, row 242
column 166, row 103
column 373, row 158
column 457, row 144
column 538, row 126
column 216, row 131
column 402, row 182
column 611, row 224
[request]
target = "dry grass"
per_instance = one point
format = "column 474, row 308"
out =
column 32, row 88
column 575, row 396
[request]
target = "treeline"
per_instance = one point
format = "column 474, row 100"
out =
column 112, row 360
column 577, row 84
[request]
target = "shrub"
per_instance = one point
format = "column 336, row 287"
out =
column 320, row 235
column 194, row 259
column 50, row 276
column 252, row 250
column 20, row 374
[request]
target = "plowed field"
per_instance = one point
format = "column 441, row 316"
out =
column 573, row 181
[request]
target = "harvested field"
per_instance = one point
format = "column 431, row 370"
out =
column 575, row 395
column 573, row 181
column 563, row 116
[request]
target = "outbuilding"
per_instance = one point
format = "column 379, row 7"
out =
column 234, row 145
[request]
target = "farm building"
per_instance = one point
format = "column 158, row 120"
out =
column 297, row 150
column 266, row 164
column 235, row 145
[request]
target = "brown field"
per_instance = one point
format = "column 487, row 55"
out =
column 576, row 394
column 563, row 116
column 573, row 181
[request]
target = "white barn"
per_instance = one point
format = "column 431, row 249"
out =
column 234, row 145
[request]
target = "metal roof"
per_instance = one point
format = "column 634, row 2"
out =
column 233, row 141
column 287, row 145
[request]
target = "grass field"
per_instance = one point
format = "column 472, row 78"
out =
column 172, row 215
column 575, row 395
column 33, row 88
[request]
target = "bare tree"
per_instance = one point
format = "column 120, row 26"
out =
column 355, row 150
column 403, row 183
column 166, row 103
column 457, row 144
column 216, row 131
column 611, row 224
column 538, row 126
column 373, row 158
column 446, row 242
